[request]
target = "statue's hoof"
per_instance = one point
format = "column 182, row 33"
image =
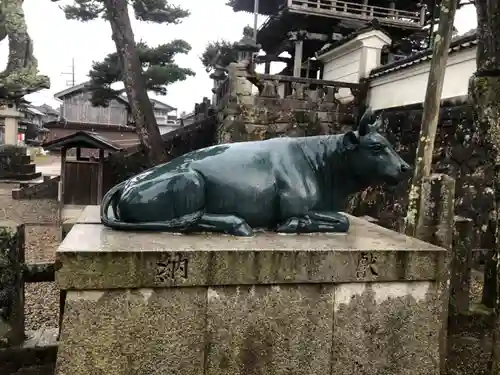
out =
column 290, row 226
column 243, row 230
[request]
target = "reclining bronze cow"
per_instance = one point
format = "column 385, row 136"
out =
column 290, row 185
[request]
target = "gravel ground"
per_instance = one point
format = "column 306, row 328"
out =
column 41, row 299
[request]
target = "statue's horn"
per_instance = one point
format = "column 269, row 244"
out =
column 365, row 122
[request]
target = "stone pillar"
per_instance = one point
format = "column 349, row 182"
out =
column 297, row 58
column 11, row 124
column 298, row 37
column 146, row 303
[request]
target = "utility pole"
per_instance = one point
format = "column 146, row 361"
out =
column 255, row 19
column 430, row 117
column 72, row 81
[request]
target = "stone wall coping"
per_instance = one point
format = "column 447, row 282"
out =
column 95, row 257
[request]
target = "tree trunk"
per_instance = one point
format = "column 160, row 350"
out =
column 484, row 94
column 430, row 118
column 140, row 105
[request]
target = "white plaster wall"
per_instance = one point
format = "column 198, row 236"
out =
column 408, row 86
column 344, row 68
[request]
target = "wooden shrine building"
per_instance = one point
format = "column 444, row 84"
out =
column 302, row 27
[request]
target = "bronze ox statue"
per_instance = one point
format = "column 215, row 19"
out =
column 290, row 185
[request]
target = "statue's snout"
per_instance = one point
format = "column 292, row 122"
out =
column 405, row 168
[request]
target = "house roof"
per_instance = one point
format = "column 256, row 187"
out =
column 80, row 88
column 188, row 115
column 82, row 139
column 34, row 111
column 155, row 103
column 161, row 104
column 85, row 86
column 468, row 40
column 71, row 90
column 266, row 7
column 47, row 109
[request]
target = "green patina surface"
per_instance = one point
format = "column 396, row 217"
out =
column 230, row 188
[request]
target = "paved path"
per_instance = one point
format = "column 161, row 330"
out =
column 52, row 169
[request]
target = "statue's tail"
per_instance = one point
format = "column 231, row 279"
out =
column 112, row 197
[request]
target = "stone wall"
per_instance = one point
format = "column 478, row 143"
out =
column 255, row 106
column 268, row 117
column 459, row 151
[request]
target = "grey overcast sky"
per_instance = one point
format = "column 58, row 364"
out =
column 57, row 40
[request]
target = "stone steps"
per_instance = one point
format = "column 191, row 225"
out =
column 20, row 176
column 44, row 188
column 47, row 369
column 37, row 355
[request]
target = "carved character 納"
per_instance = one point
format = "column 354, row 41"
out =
column 291, row 185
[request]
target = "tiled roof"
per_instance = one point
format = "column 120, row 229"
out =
column 467, row 40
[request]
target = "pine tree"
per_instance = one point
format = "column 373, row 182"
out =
column 128, row 62
column 158, row 69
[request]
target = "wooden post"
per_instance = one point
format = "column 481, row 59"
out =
column 267, row 67
column 100, row 176
column 365, row 3
column 422, row 15
column 61, row 186
column 78, row 153
column 297, row 59
column 430, row 116
column 392, row 7
column 438, row 202
column 461, row 265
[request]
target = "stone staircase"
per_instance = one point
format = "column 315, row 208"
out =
column 16, row 165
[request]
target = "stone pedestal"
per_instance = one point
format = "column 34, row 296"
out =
column 155, row 303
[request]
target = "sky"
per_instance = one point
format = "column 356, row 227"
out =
column 57, row 41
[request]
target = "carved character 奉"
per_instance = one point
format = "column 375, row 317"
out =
column 291, row 185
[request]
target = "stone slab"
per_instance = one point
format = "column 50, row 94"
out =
column 90, row 215
column 140, row 332
column 314, row 329
column 386, row 329
column 95, row 257
column 269, row 330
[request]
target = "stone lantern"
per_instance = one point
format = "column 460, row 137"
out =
column 218, row 77
column 246, row 47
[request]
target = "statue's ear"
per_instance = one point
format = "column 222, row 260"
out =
column 350, row 140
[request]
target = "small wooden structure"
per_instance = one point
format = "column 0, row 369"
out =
column 81, row 178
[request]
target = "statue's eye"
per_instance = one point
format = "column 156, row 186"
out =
column 377, row 148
